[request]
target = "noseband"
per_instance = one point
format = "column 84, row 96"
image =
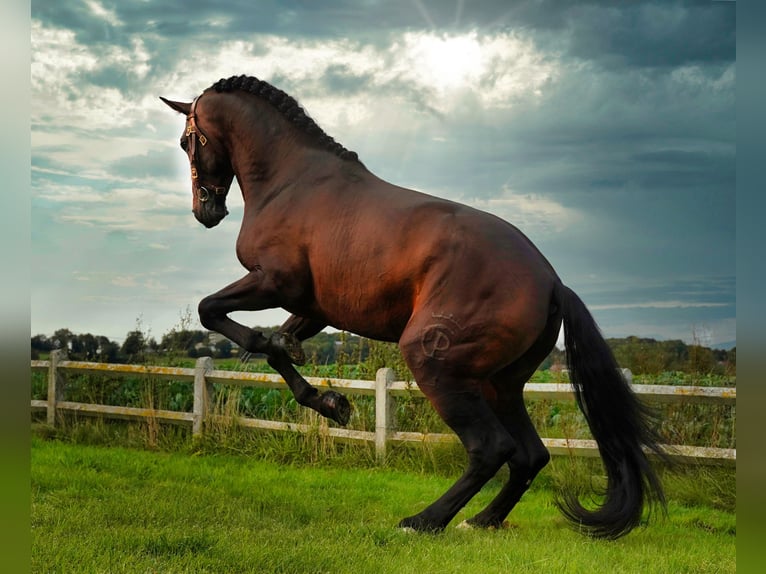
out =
column 203, row 192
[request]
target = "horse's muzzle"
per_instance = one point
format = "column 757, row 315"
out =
column 210, row 214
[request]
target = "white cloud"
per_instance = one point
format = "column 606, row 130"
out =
column 125, row 221
column 124, row 281
column 695, row 77
column 57, row 55
column 58, row 69
column 496, row 70
column 125, row 208
column 663, row 304
column 81, row 139
column 531, row 212
column 98, row 9
column 63, row 193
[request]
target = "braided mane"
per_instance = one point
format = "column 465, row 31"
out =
column 288, row 107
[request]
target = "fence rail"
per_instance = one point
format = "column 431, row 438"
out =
column 384, row 388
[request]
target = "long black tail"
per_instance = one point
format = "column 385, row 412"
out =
column 619, row 423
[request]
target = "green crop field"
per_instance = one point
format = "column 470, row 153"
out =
column 116, row 509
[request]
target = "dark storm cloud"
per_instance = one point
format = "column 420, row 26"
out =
column 658, row 33
column 661, row 34
column 654, row 34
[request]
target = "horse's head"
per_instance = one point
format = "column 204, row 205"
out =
column 211, row 170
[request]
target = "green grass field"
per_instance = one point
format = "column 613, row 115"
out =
column 115, row 509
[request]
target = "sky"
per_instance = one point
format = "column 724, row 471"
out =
column 605, row 131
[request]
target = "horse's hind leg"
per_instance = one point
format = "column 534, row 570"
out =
column 528, row 460
column 508, row 404
column 486, row 441
column 457, row 398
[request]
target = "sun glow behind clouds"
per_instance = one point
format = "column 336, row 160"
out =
column 446, row 62
column 498, row 69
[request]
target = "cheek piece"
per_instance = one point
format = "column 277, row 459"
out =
column 203, row 192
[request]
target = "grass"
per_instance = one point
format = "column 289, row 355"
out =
column 116, row 509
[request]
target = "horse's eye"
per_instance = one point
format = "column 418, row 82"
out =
column 184, row 144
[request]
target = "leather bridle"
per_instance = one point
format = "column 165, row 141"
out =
column 194, row 134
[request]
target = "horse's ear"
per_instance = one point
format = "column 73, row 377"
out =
column 180, row 107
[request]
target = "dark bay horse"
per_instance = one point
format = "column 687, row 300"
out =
column 472, row 303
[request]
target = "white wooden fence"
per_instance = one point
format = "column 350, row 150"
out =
column 384, row 388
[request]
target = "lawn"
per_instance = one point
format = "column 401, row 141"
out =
column 114, row 509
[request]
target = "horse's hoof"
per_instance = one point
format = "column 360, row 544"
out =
column 335, row 406
column 291, row 346
column 418, row 524
column 468, row 525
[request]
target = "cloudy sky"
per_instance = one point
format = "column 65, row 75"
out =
column 604, row 130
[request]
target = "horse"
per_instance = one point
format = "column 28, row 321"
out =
column 473, row 305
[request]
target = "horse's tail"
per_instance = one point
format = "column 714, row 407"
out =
column 619, row 423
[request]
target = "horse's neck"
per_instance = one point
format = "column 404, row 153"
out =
column 287, row 165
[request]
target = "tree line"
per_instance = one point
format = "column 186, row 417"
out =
column 640, row 355
column 649, row 356
column 138, row 347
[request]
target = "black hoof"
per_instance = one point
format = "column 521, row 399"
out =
column 335, row 406
column 419, row 524
column 486, row 525
column 290, row 345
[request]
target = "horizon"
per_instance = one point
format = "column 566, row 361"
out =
column 724, row 346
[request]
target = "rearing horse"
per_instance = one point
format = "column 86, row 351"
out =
column 472, row 303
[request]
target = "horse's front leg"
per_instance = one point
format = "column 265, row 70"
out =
column 252, row 293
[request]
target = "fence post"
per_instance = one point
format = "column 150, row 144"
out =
column 56, row 384
column 627, row 374
column 203, row 393
column 384, row 409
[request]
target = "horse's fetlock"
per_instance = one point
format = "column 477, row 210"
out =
column 307, row 396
